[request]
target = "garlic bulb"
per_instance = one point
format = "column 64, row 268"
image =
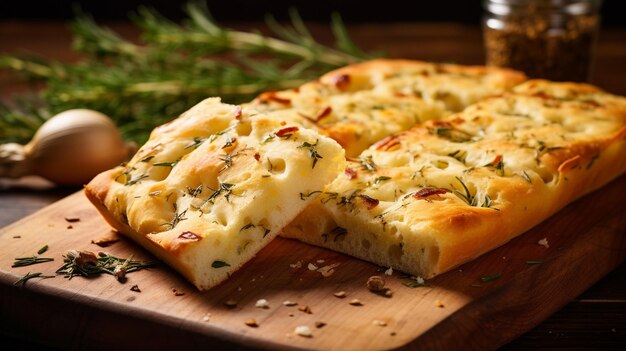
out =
column 69, row 149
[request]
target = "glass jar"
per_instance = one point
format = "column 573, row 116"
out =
column 552, row 39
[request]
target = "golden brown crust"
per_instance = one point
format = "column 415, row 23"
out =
column 360, row 104
column 448, row 191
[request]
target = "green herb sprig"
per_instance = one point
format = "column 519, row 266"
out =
column 142, row 85
column 84, row 263
column 34, row 259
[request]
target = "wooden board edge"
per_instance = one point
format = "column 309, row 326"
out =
column 519, row 306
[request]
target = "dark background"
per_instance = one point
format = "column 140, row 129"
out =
column 465, row 11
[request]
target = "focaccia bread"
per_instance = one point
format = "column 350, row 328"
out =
column 429, row 199
column 360, row 104
column 211, row 188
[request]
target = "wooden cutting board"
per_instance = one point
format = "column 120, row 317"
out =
column 456, row 310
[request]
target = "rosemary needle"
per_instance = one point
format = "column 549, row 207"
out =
column 28, row 276
column 27, row 261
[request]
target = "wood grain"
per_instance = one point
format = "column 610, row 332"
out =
column 586, row 240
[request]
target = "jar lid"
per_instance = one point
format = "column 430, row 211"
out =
column 569, row 7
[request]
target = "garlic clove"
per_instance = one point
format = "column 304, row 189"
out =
column 74, row 146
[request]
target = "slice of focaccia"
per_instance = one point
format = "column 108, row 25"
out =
column 436, row 196
column 360, row 104
column 211, row 188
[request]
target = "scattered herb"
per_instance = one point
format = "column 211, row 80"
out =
column 312, row 150
column 368, row 163
column 27, row 261
column 178, row 217
column 195, row 143
column 28, row 276
column 490, row 278
column 223, row 188
column 534, row 262
column 381, row 179
column 135, row 288
column 85, row 263
column 147, row 159
column 193, row 192
column 166, row 164
column 304, row 196
column 219, row 264
column 247, row 226
column 526, row 177
column 132, row 181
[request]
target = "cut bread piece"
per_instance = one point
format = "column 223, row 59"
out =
column 211, row 188
column 362, row 103
column 429, row 199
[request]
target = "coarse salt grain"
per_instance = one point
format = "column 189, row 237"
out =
column 296, row 265
column 304, row 331
column 262, row 303
column 389, row 271
column 312, row 267
column 544, row 242
column 419, row 280
column 289, row 303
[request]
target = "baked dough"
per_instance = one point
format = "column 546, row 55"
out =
column 429, row 199
column 360, row 104
column 211, row 188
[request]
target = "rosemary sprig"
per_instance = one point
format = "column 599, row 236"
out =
column 34, row 259
column 85, row 263
column 175, row 66
column 28, row 276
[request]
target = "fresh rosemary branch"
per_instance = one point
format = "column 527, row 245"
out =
column 85, row 263
column 144, row 85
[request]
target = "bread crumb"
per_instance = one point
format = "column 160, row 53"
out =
column 296, row 265
column 340, row 294
column 356, row 302
column 304, row 331
column 207, row 317
column 251, row 323
column 375, row 283
column 379, row 323
column 319, row 324
column 312, row 267
column 289, row 303
column 392, row 333
column 177, row 292
column 389, row 271
column 305, row 309
column 544, row 242
column 262, row 303
column 438, row 303
column 327, row 271
column 291, row 314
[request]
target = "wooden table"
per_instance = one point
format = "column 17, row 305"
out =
column 594, row 320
